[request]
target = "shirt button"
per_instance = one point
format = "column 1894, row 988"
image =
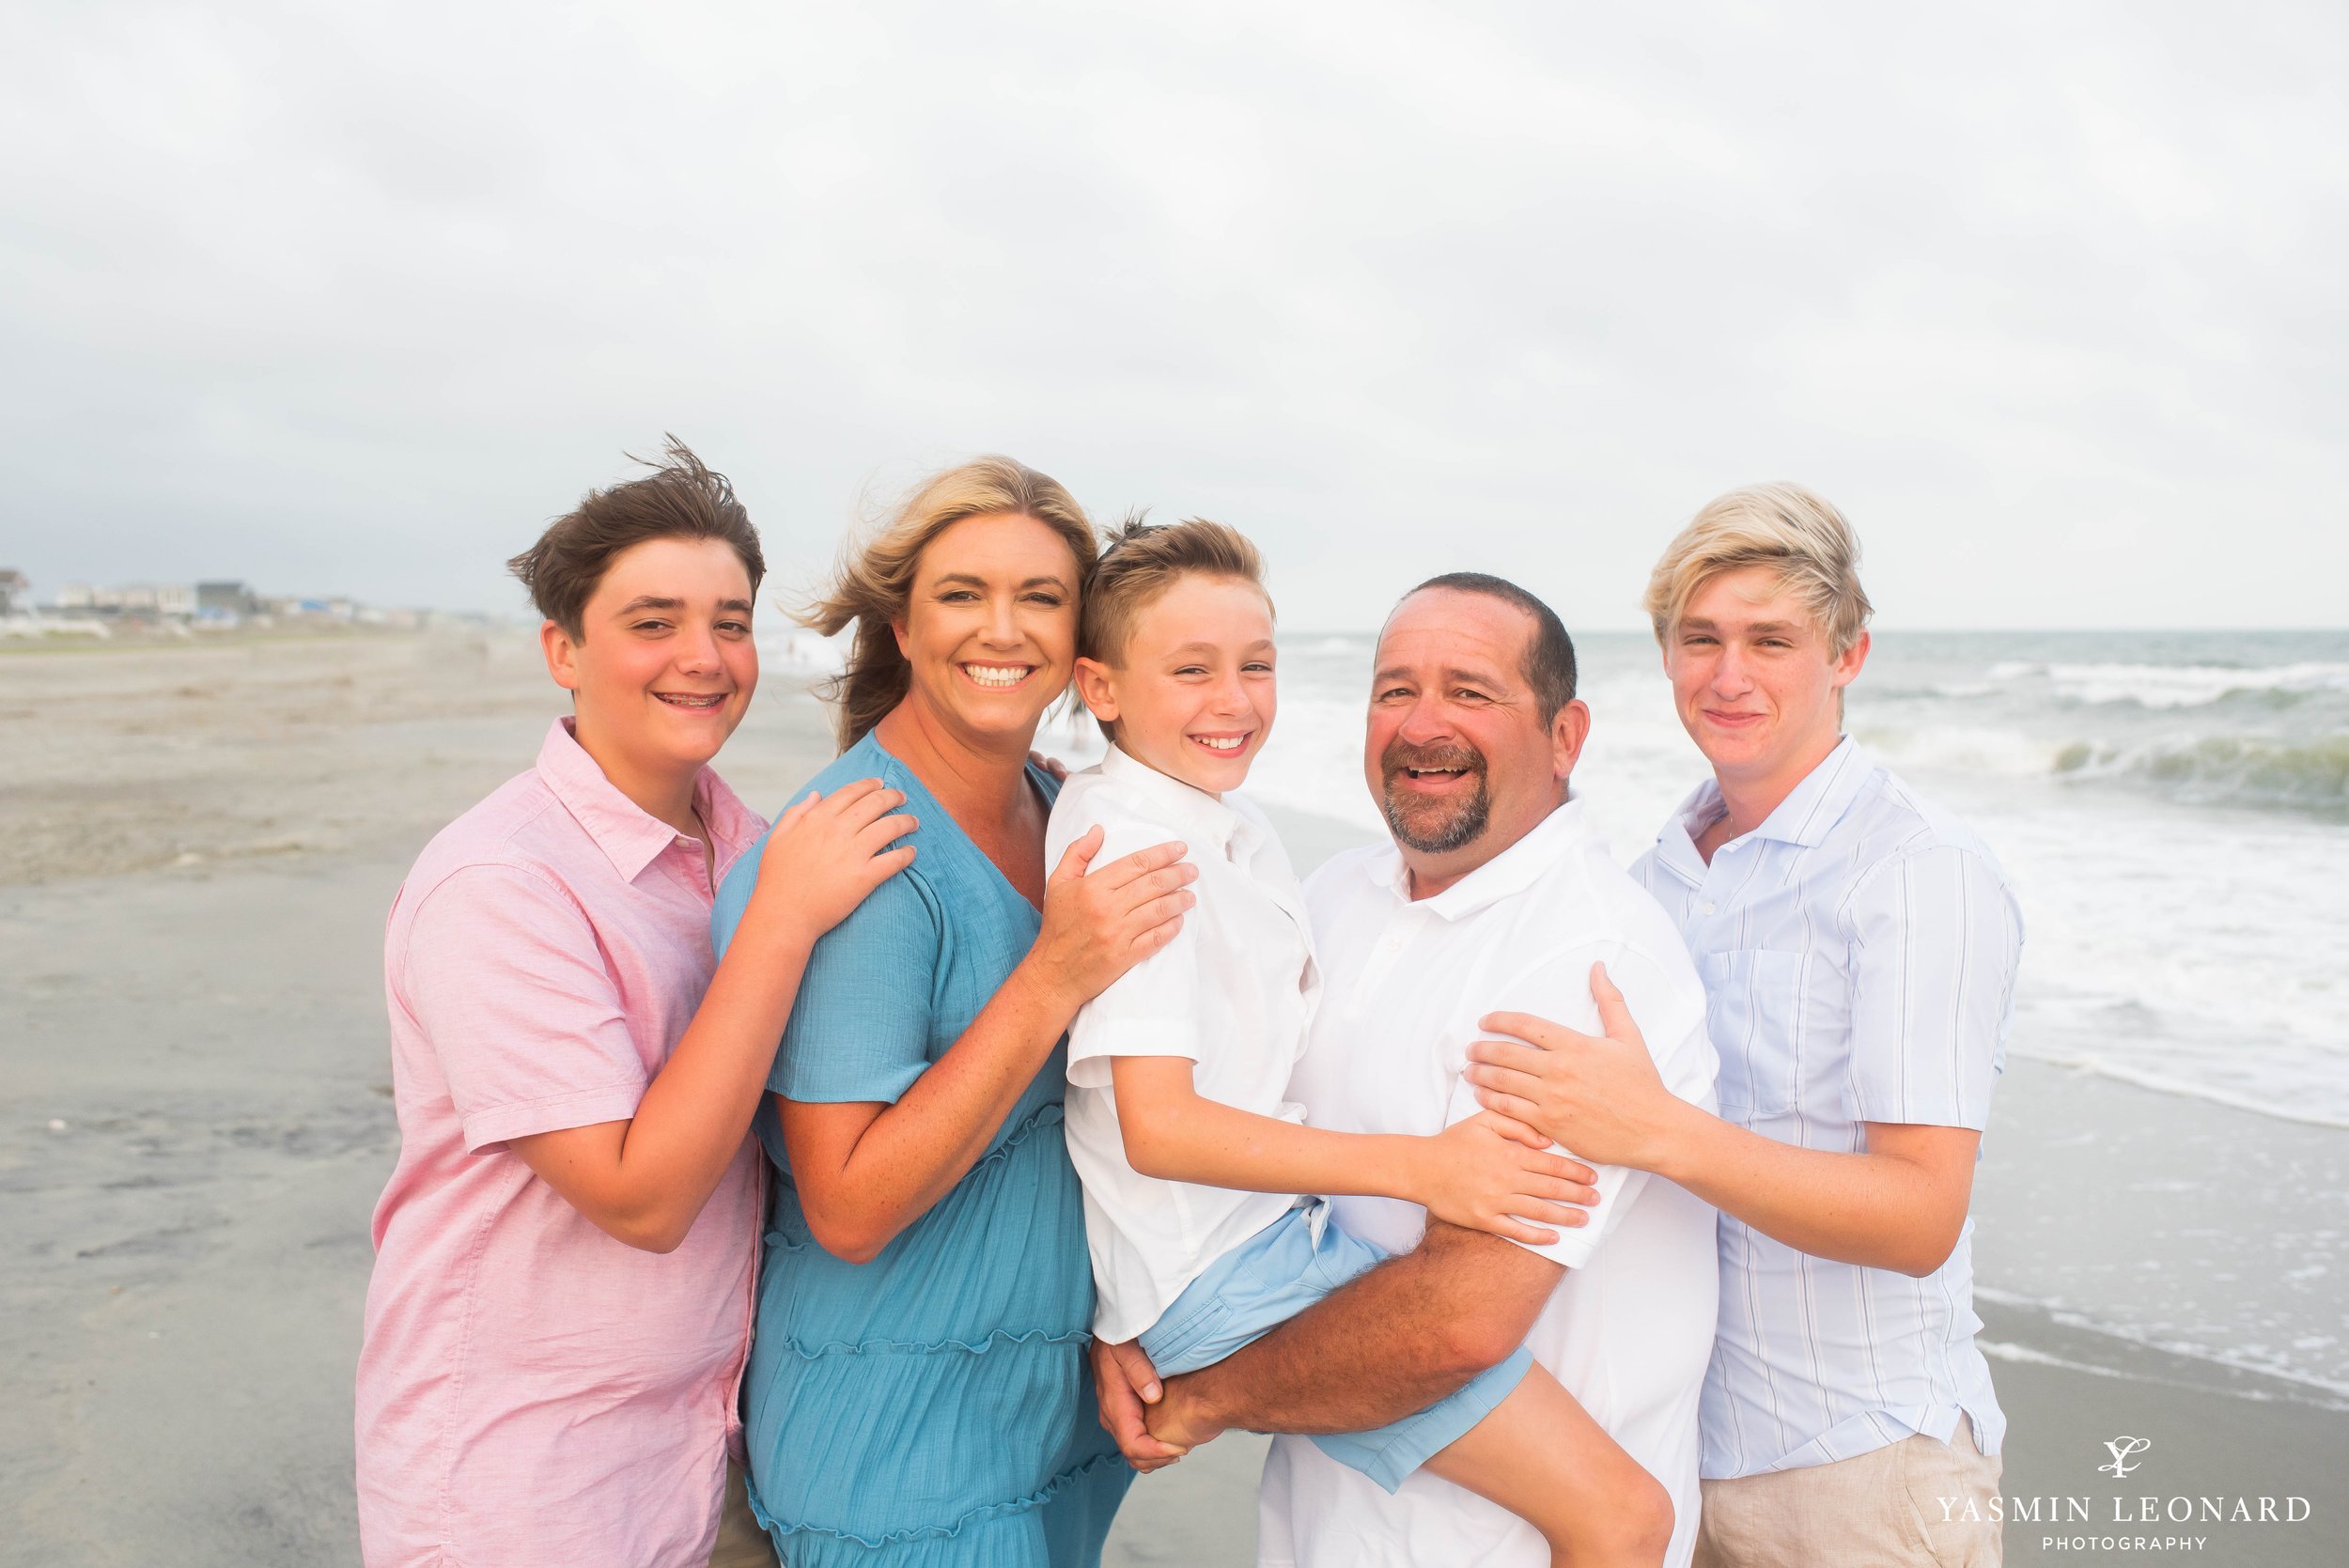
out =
column 1705, row 909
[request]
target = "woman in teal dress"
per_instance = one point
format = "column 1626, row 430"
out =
column 917, row 1394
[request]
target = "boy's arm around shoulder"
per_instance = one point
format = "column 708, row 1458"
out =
column 642, row 1178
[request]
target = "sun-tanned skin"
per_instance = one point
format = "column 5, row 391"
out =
column 990, row 636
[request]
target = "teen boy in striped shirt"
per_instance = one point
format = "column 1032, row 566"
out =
column 1859, row 949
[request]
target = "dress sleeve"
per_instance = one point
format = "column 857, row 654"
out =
column 1671, row 1017
column 505, row 976
column 860, row 1028
column 1935, row 940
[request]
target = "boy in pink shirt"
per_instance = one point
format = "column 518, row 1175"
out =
column 561, row 1302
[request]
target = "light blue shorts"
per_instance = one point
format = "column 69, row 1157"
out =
column 1271, row 1277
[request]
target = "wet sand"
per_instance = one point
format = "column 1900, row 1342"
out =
column 197, row 846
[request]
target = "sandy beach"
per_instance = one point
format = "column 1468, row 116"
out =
column 197, row 847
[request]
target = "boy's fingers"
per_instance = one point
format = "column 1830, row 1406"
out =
column 878, row 833
column 1507, row 1105
column 1560, row 1192
column 1510, row 1080
column 874, row 802
column 1614, row 1017
column 1513, row 1130
column 1569, row 1171
column 851, row 792
column 1508, row 1053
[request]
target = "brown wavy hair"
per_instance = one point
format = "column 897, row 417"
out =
column 680, row 499
column 874, row 581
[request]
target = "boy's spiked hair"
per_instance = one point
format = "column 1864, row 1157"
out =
column 1140, row 563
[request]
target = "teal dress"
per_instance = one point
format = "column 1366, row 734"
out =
column 931, row 1408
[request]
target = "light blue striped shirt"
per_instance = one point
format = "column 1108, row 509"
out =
column 1859, row 951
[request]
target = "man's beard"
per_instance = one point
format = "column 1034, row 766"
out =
column 1433, row 827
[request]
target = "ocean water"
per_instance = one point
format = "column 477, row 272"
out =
column 2172, row 809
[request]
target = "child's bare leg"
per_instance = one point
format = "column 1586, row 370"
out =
column 1541, row 1456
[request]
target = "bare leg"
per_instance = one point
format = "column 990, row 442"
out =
column 1541, row 1456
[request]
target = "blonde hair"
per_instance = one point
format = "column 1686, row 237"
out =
column 1798, row 534
column 872, row 582
column 1139, row 563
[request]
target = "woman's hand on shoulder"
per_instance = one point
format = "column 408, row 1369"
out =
column 824, row 856
column 1099, row 923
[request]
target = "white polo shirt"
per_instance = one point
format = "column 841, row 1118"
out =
column 1629, row 1329
column 1232, row 992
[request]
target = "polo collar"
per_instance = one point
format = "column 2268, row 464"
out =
column 1812, row 809
column 1198, row 814
column 1507, row 874
column 630, row 837
column 1806, row 817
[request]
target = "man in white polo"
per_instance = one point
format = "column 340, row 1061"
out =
column 1496, row 892
column 1858, row 947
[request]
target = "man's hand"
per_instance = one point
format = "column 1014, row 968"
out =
column 1599, row 1095
column 1179, row 1419
column 1122, row 1381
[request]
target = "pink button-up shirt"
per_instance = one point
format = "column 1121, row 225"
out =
column 532, row 1391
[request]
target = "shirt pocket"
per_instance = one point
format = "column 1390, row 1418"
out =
column 1757, row 1011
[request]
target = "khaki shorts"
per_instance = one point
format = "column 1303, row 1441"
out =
column 1880, row 1510
column 740, row 1542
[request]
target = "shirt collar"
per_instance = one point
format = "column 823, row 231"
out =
column 1510, row 871
column 1814, row 807
column 628, row 835
column 1806, row 817
column 1193, row 812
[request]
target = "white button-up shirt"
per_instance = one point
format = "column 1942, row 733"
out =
column 1629, row 1327
column 1232, row 992
column 1858, row 950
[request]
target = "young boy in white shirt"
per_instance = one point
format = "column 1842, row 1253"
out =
column 1196, row 1169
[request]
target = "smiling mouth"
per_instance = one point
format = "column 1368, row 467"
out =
column 998, row 678
column 1224, row 744
column 693, row 702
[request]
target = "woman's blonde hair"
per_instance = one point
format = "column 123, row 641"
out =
column 874, row 581
column 1798, row 534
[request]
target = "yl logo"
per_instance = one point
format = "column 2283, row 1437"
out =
column 2124, row 1450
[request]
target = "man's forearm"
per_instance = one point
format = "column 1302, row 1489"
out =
column 1382, row 1347
column 1898, row 1207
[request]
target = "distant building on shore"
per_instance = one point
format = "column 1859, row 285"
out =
column 132, row 601
column 215, row 605
column 227, row 600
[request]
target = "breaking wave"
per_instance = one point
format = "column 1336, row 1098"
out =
column 2170, row 686
column 2311, row 776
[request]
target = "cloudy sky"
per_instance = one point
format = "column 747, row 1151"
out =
column 351, row 298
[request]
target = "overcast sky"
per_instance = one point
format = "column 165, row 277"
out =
column 353, row 299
